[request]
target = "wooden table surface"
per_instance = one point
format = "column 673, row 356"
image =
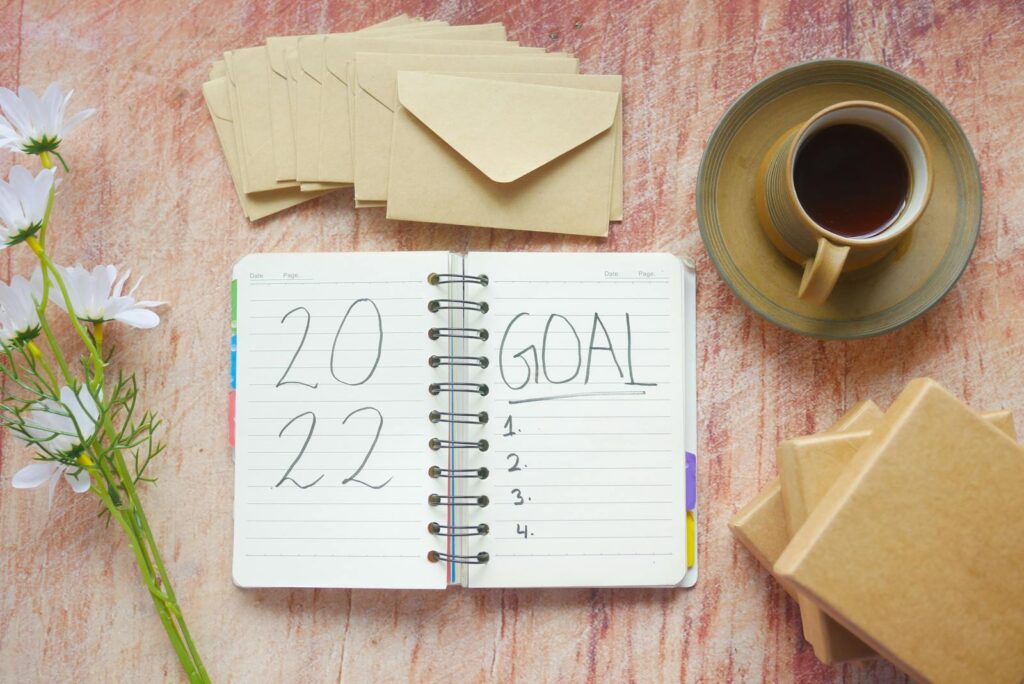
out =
column 150, row 189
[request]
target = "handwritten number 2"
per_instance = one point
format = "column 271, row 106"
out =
column 305, row 333
column 380, row 424
column 287, row 477
column 515, row 462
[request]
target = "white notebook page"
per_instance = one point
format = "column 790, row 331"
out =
column 334, row 504
column 586, row 445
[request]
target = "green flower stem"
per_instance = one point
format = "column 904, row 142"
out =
column 130, row 514
column 54, row 347
column 44, row 261
column 146, row 533
column 44, row 159
column 38, row 358
column 165, row 616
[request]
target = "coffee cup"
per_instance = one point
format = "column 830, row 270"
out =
column 837, row 192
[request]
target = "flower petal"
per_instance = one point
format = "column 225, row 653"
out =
column 76, row 119
column 80, row 482
column 53, row 482
column 138, row 318
column 34, row 474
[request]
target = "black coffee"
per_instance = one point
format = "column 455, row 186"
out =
column 851, row 180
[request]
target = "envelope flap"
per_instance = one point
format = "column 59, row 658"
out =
column 291, row 60
column 376, row 77
column 216, row 92
column 277, row 46
column 336, row 56
column 311, row 56
column 506, row 129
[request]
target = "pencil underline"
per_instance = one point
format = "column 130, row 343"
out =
column 575, row 395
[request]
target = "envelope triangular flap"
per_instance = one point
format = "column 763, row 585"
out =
column 505, row 129
column 311, row 56
column 216, row 94
column 277, row 46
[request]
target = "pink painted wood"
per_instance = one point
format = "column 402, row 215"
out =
column 150, row 189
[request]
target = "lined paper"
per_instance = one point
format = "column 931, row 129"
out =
column 586, row 451
column 332, row 421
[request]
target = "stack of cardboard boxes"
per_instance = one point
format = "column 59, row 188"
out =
column 901, row 534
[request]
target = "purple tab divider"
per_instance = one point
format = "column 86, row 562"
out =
column 691, row 481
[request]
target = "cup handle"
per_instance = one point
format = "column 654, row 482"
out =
column 822, row 272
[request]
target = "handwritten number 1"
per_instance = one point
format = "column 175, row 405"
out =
column 305, row 332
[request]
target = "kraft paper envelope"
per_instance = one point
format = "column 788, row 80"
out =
column 808, row 467
column 611, row 83
column 249, row 91
column 478, row 152
column 336, row 151
column 376, row 101
column 292, row 60
column 257, row 205
column 918, row 545
column 310, row 80
column 280, row 109
column 285, row 126
column 761, row 525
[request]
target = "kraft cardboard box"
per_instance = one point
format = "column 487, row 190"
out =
column 761, row 525
column 917, row 547
column 808, row 467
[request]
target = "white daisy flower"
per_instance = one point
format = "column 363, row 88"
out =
column 23, row 201
column 19, row 319
column 59, row 428
column 96, row 297
column 38, row 472
column 33, row 124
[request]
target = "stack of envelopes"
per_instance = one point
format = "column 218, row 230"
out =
column 900, row 534
column 439, row 123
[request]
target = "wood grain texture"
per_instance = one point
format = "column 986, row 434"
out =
column 150, row 189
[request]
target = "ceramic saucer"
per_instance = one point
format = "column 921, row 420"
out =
column 870, row 301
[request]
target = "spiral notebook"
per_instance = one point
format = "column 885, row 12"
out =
column 422, row 419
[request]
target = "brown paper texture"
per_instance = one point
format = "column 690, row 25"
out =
column 761, row 525
column 507, row 145
column 917, row 547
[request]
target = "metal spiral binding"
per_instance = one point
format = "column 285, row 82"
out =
column 436, row 388
column 444, row 278
column 435, row 305
column 478, row 559
column 458, row 530
column 468, row 418
column 465, row 333
column 478, row 361
column 438, row 471
column 437, row 444
column 451, row 417
column 458, row 500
